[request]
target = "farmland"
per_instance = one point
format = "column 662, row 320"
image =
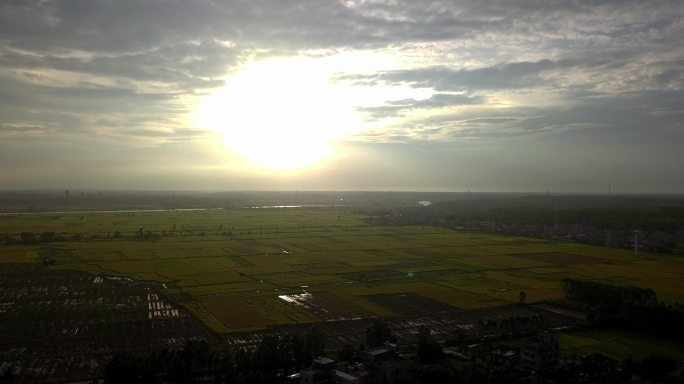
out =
column 618, row 344
column 242, row 270
column 58, row 326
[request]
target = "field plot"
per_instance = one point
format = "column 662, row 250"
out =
column 618, row 344
column 410, row 304
column 563, row 258
column 325, row 306
column 234, row 268
column 60, row 326
column 235, row 313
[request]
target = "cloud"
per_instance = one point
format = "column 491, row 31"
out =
column 167, row 135
column 126, row 26
column 186, row 66
column 516, row 75
column 564, row 73
column 636, row 116
column 7, row 130
column 438, row 100
column 84, row 108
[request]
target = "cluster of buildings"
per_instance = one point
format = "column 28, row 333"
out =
column 381, row 365
column 538, row 361
column 540, row 353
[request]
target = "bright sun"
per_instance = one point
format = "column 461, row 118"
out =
column 280, row 114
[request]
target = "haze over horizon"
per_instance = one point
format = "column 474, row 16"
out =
column 343, row 95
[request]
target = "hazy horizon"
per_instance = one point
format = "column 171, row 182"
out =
column 352, row 95
column 75, row 192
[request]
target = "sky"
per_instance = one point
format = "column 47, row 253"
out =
column 476, row 95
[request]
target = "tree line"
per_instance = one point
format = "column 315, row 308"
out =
column 274, row 358
column 627, row 307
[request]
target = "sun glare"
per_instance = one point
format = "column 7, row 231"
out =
column 280, row 114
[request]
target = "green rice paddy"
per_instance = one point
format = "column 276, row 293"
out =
column 229, row 267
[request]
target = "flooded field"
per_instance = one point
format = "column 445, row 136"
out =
column 323, row 306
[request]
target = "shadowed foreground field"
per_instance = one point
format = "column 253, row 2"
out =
column 248, row 269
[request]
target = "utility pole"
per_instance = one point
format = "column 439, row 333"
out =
column 636, row 242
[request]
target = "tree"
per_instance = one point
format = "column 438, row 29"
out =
column 226, row 369
column 378, row 334
column 7, row 376
column 315, row 342
column 346, row 353
column 127, row 368
column 28, row 238
column 657, row 367
column 428, row 350
column 459, row 335
column 266, row 357
column 47, row 237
